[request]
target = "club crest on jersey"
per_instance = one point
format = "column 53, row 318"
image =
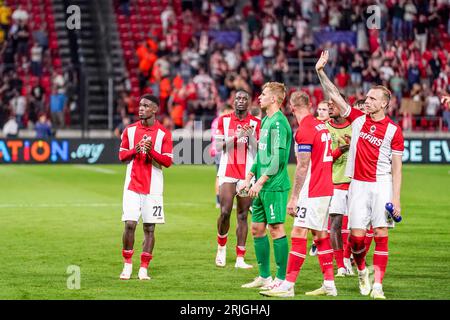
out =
column 372, row 129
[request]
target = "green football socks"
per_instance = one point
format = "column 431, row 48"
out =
column 262, row 251
column 281, row 251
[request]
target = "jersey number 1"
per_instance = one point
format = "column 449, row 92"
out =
column 326, row 137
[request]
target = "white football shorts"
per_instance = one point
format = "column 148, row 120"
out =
column 223, row 180
column 148, row 205
column 366, row 201
column 339, row 201
column 312, row 213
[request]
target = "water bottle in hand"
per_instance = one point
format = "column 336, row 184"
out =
column 390, row 208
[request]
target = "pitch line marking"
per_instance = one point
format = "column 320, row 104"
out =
column 66, row 205
column 95, row 169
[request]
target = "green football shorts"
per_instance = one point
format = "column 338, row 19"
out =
column 270, row 207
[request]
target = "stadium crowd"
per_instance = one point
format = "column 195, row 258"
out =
column 197, row 58
column 36, row 91
column 409, row 54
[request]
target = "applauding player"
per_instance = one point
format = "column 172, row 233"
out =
column 236, row 136
column 146, row 146
column 375, row 166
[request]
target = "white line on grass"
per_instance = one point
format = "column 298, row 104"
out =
column 96, row 169
column 65, row 205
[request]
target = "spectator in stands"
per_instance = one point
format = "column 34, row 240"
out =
column 446, row 110
column 40, row 37
column 421, row 32
column 397, row 19
column 58, row 101
column 432, row 103
column 18, row 105
column 167, row 18
column 413, row 73
column 280, row 68
column 20, row 15
column 20, row 36
column 36, row 59
column 36, row 104
column 43, row 127
column 124, row 6
column 356, row 68
column 409, row 17
column 397, row 84
column 11, row 127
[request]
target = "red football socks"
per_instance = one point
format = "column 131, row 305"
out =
column 297, row 256
column 325, row 254
column 339, row 258
column 368, row 239
column 222, row 239
column 127, row 255
column 145, row 259
column 380, row 258
column 359, row 251
column 240, row 251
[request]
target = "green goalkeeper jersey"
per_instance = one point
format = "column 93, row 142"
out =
column 273, row 152
column 337, row 137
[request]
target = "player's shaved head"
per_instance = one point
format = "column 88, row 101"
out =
column 299, row 99
column 277, row 89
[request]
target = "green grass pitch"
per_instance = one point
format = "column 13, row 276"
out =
column 52, row 217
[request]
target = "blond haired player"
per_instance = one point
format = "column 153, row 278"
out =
column 270, row 191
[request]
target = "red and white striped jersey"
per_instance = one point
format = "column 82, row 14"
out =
column 142, row 175
column 238, row 162
column 372, row 146
column 313, row 136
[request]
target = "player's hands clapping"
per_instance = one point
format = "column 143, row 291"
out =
column 138, row 147
column 246, row 131
column 148, row 145
column 322, row 60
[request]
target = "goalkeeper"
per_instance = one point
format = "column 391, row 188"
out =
column 271, row 187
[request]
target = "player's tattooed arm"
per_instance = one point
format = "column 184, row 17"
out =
column 329, row 88
column 301, row 171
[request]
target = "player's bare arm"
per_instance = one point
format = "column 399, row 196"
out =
column 328, row 86
column 303, row 160
column 396, row 182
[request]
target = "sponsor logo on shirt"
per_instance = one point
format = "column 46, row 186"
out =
column 371, row 139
